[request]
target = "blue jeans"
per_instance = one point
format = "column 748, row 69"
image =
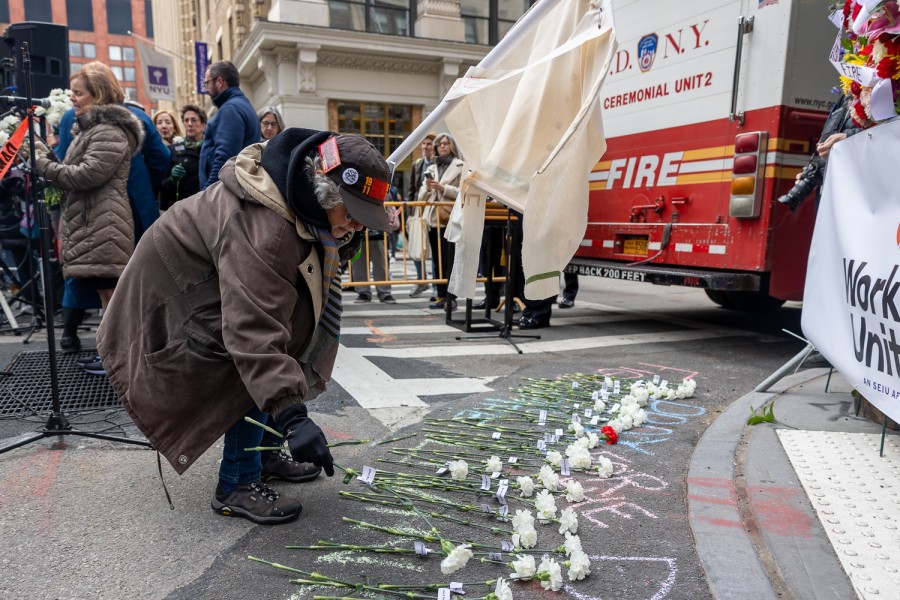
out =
column 240, row 467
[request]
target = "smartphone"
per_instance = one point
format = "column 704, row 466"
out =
column 429, row 176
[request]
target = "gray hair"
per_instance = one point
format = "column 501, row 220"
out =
column 328, row 194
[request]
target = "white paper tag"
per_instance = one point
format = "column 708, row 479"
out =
column 485, row 482
column 421, row 550
column 576, row 406
column 498, row 556
column 655, row 379
column 575, row 385
column 605, row 396
column 616, row 387
column 368, row 475
column 501, row 491
column 541, row 445
column 442, row 471
column 595, row 395
column 444, row 594
column 564, row 469
column 558, row 432
column 664, row 383
column 502, row 513
column 588, row 412
column 495, row 435
column 605, row 386
column 615, row 407
column 495, row 474
column 456, row 587
column 595, row 419
column 507, row 546
column 542, row 417
column 513, row 460
column 576, row 419
column 486, row 508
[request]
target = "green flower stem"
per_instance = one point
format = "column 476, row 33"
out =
column 264, row 448
column 408, row 503
column 372, row 500
column 266, row 427
column 349, row 443
column 322, row 545
column 397, row 439
column 470, row 523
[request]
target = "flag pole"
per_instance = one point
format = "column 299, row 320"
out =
column 160, row 48
column 499, row 52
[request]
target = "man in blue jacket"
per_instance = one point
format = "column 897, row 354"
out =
column 234, row 126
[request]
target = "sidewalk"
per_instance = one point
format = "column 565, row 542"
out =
column 757, row 532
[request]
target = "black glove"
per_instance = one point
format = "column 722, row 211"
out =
column 305, row 438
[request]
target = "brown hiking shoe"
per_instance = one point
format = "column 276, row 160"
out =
column 280, row 465
column 257, row 502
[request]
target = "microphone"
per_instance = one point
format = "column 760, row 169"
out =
column 23, row 102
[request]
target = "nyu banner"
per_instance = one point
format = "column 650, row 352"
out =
column 851, row 303
column 158, row 71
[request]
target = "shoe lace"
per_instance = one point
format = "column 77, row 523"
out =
column 264, row 490
column 284, row 456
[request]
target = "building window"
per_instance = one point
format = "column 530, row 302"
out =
column 82, row 50
column 121, row 53
column 4, row 11
column 38, row 10
column 385, row 125
column 487, row 21
column 80, row 15
column 90, row 50
column 148, row 18
column 118, row 16
column 75, row 49
column 117, row 71
column 74, row 68
column 391, row 17
column 129, row 74
column 115, row 53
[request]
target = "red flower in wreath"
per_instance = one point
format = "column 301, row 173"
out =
column 609, row 434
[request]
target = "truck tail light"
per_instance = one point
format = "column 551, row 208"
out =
column 747, row 174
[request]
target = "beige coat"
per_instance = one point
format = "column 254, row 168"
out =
column 450, row 181
column 98, row 227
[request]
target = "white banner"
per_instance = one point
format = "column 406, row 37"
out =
column 851, row 303
column 158, row 72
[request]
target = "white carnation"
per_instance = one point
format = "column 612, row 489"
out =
column 554, row 458
column 617, row 425
column 627, row 421
column 550, row 574
column 526, row 486
column 574, row 491
column 604, row 467
column 545, row 504
column 459, row 469
column 527, row 537
column 641, row 395
column 524, row 566
column 568, row 521
column 579, row 566
column 599, row 405
column 640, row 417
column 609, row 383
column 593, row 440
column 522, row 518
column 457, row 559
column 580, row 458
column 573, row 543
column 494, row 465
column 548, row 478
column 502, row 591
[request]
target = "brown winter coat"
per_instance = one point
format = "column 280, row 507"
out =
column 214, row 312
column 97, row 228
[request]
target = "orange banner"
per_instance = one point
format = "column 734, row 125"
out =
column 11, row 148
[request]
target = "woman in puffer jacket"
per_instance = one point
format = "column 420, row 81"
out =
column 98, row 227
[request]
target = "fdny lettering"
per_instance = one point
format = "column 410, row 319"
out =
column 641, row 171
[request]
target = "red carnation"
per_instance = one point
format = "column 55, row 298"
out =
column 609, row 434
column 855, row 89
column 885, row 68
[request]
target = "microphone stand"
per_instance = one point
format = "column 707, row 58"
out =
column 57, row 423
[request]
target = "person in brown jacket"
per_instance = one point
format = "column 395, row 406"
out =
column 231, row 306
column 97, row 223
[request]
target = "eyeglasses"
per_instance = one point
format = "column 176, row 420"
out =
column 444, row 143
column 267, row 124
column 190, row 120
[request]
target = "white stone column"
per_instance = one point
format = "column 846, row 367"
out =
column 302, row 12
column 307, row 57
column 440, row 20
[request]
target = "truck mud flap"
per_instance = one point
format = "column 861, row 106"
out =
column 664, row 275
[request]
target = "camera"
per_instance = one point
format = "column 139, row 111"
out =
column 810, row 178
column 429, row 176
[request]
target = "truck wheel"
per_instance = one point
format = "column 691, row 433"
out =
column 754, row 301
column 719, row 297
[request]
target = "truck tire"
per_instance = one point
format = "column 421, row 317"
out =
column 757, row 302
column 719, row 297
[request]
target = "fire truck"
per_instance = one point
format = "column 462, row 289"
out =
column 710, row 109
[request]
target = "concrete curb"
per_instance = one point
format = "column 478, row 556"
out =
column 726, row 551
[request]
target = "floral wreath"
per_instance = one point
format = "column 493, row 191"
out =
column 870, row 38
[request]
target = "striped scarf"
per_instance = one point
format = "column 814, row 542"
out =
column 318, row 359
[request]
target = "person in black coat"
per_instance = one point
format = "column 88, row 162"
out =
column 184, row 166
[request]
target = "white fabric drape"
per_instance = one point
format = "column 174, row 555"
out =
column 530, row 131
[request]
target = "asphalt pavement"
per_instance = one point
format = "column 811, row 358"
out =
column 84, row 518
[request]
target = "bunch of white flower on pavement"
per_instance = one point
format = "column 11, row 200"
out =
column 526, row 486
column 548, row 478
column 579, row 455
column 549, row 573
column 574, row 491
column 524, row 567
column 494, row 465
column 686, row 389
column 457, row 557
column 568, row 521
column 579, row 565
column 525, row 535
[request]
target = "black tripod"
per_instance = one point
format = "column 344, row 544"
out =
column 57, row 423
column 512, row 270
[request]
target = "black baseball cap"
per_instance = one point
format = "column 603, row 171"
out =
column 362, row 175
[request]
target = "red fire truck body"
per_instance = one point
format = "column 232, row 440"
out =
column 710, row 110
